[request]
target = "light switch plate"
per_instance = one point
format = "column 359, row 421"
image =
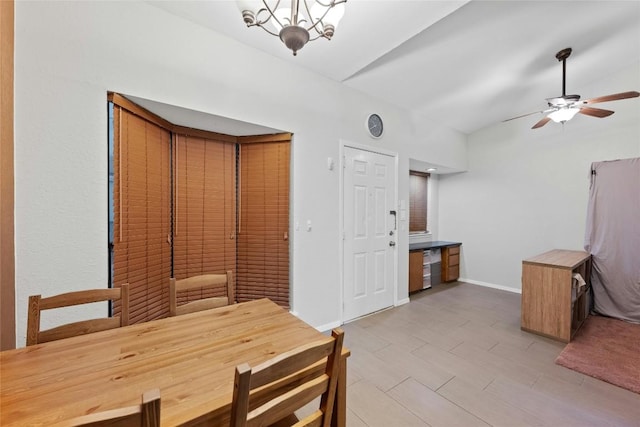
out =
column 330, row 163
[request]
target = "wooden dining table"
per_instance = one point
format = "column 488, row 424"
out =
column 190, row 358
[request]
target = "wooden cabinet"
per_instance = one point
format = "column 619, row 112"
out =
column 450, row 263
column 431, row 263
column 415, row 270
column 554, row 304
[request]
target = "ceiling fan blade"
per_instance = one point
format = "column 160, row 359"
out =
column 529, row 114
column 595, row 112
column 613, row 97
column 541, row 123
column 519, row 117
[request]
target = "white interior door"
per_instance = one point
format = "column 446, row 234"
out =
column 369, row 232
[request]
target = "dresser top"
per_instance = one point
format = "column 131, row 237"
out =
column 559, row 258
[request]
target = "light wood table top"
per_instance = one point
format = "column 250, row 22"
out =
column 559, row 258
column 190, row 358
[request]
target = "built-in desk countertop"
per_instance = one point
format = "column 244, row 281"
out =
column 432, row 245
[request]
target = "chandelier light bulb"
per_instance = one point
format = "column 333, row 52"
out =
column 334, row 15
column 251, row 5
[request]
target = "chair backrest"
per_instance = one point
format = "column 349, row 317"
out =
column 37, row 304
column 273, row 390
column 205, row 281
column 146, row 414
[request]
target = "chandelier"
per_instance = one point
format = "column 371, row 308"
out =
column 296, row 22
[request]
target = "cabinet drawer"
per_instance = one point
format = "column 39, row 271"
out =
column 454, row 260
column 453, row 250
column 453, row 273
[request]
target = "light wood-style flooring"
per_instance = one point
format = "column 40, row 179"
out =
column 455, row 356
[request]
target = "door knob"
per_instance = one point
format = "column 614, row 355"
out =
column 392, row 243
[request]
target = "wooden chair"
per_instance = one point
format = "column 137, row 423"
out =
column 270, row 392
column 197, row 282
column 37, row 304
column 147, row 414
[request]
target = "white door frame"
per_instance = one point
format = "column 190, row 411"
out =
column 343, row 144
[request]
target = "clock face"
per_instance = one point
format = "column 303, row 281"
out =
column 374, row 124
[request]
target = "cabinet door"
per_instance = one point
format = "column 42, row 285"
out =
column 415, row 270
column 546, row 301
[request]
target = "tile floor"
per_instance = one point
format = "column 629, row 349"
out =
column 455, row 356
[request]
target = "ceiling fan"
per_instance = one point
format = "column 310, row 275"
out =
column 563, row 108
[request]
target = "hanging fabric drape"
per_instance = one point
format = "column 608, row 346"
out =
column 613, row 238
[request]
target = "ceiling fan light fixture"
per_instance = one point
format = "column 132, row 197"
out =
column 563, row 114
column 290, row 20
column 563, row 108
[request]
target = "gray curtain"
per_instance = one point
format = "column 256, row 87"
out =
column 613, row 238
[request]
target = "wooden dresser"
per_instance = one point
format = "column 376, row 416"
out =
column 553, row 302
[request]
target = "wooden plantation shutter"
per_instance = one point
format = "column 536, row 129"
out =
column 418, row 184
column 263, row 240
column 142, row 217
column 181, row 209
column 204, row 208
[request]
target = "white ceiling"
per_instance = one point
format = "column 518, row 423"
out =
column 465, row 64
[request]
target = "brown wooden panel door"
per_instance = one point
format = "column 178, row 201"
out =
column 263, row 229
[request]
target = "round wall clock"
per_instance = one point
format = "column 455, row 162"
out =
column 374, row 125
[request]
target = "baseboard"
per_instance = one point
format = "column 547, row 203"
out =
column 403, row 302
column 321, row 328
column 490, row 285
column 328, row 326
column 331, row 325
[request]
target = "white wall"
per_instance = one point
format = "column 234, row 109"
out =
column 526, row 191
column 69, row 54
